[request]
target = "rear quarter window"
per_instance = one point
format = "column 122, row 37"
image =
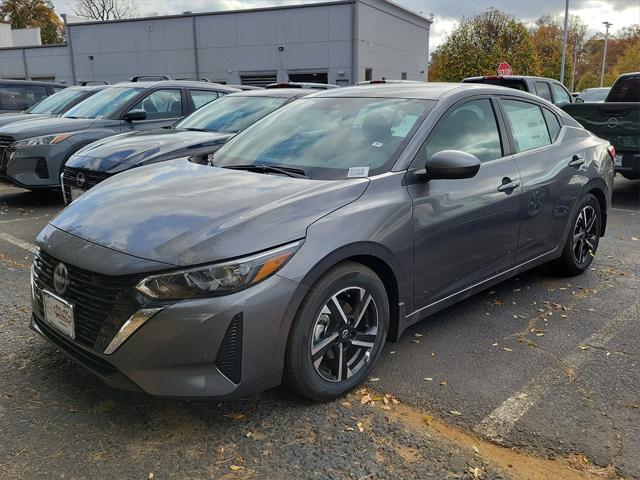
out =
column 553, row 125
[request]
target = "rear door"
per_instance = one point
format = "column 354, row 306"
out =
column 164, row 107
column 466, row 230
column 552, row 173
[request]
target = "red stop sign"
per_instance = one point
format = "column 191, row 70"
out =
column 505, row 69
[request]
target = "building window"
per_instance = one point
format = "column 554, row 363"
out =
column 368, row 74
column 403, row 76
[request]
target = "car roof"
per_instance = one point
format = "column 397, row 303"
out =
column 425, row 91
column 510, row 77
column 274, row 93
column 178, row 83
column 89, row 88
column 32, row 82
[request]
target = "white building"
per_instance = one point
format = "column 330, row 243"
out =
column 338, row 42
column 18, row 37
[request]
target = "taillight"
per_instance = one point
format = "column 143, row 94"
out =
column 612, row 152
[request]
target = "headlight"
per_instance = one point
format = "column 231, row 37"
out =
column 45, row 140
column 219, row 279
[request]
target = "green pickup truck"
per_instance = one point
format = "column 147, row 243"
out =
column 616, row 120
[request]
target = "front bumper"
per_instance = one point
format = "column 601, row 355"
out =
column 220, row 347
column 33, row 167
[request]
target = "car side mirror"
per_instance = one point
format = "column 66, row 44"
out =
column 450, row 164
column 135, row 115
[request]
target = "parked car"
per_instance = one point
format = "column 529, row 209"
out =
column 311, row 85
column 246, row 87
column 551, row 90
column 52, row 106
column 325, row 228
column 18, row 95
column 593, row 95
column 33, row 154
column 199, row 135
column 617, row 120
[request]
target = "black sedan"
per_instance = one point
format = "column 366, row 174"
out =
column 198, row 136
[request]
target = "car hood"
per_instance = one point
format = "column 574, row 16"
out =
column 183, row 213
column 46, row 126
column 7, row 118
column 121, row 152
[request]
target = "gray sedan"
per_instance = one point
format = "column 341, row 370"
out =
column 323, row 230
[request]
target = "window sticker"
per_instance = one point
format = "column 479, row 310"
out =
column 357, row 172
column 377, row 144
column 405, row 126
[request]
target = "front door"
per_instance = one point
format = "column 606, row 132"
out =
column 465, row 230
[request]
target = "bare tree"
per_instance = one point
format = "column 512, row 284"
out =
column 105, row 9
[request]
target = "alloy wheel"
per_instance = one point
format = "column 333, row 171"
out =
column 344, row 334
column 585, row 234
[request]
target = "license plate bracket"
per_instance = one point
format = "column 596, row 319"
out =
column 59, row 314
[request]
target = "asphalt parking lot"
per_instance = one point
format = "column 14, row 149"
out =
column 537, row 378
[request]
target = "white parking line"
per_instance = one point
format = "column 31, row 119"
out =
column 499, row 423
column 18, row 242
column 627, row 210
column 21, row 219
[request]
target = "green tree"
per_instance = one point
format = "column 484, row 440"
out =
column 629, row 61
column 480, row 43
column 33, row 13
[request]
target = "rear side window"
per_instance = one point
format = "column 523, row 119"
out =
column 21, row 97
column 202, row 97
column 516, row 84
column 553, row 125
column 560, row 94
column 162, row 104
column 470, row 127
column 527, row 125
column 626, row 89
column 542, row 90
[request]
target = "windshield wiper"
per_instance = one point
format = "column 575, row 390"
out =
column 265, row 168
column 193, row 129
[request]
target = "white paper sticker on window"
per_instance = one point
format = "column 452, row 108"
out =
column 356, row 172
column 377, row 144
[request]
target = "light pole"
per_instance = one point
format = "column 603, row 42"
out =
column 564, row 40
column 604, row 55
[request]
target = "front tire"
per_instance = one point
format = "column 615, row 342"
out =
column 338, row 333
column 583, row 239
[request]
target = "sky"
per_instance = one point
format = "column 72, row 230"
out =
column 446, row 13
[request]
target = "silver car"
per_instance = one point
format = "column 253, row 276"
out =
column 322, row 231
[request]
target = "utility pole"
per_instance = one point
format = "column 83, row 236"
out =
column 564, row 40
column 575, row 65
column 604, row 55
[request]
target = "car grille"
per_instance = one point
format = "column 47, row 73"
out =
column 4, row 153
column 91, row 179
column 101, row 303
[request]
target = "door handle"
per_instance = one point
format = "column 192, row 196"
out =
column 576, row 161
column 508, row 185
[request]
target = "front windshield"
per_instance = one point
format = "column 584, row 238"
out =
column 104, row 103
column 595, row 95
column 231, row 114
column 330, row 137
column 58, row 102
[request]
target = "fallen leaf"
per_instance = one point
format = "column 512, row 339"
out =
column 235, row 416
column 366, row 399
column 385, row 407
column 428, row 379
column 475, row 449
column 427, row 419
column 374, row 379
column 635, row 239
column 455, row 412
column 583, row 347
column 346, row 404
column 235, row 468
column 444, row 383
column 419, row 335
column 349, row 429
column 415, row 341
column 507, row 349
column 360, row 426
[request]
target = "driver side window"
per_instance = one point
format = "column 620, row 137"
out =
column 471, row 128
column 161, row 104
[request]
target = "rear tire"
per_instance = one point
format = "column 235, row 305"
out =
column 582, row 241
column 338, row 333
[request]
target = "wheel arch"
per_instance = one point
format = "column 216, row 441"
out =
column 383, row 263
column 597, row 188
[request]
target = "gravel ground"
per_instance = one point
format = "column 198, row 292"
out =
column 561, row 355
